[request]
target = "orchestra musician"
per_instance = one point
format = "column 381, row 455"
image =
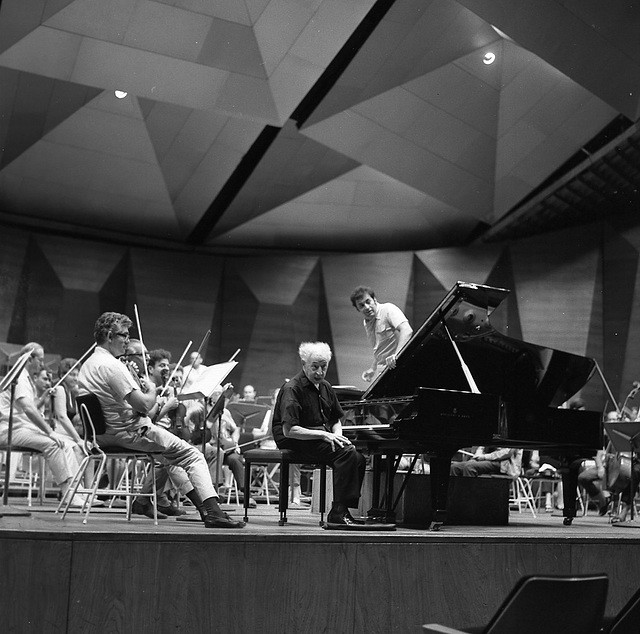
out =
column 222, row 439
column 622, row 469
column 193, row 370
column 592, row 477
column 31, row 430
column 127, row 403
column 169, row 415
column 64, row 397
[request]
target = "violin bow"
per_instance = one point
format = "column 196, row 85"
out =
column 74, row 366
column 144, row 354
column 186, row 378
column 164, row 389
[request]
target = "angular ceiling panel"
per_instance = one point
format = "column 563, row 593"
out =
column 369, row 124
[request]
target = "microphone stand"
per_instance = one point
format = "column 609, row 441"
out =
column 10, row 381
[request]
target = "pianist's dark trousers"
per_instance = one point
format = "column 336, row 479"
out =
column 348, row 466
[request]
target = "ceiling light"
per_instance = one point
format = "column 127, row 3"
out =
column 489, row 58
column 121, row 94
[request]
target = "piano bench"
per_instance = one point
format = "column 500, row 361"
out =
column 282, row 457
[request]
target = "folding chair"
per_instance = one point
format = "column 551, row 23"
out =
column 522, row 495
column 33, row 478
column 627, row 621
column 94, row 425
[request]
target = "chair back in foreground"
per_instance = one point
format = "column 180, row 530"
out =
column 91, row 415
column 627, row 621
column 548, row 604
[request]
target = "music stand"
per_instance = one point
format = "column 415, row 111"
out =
column 625, row 437
column 216, row 410
column 10, row 381
column 243, row 412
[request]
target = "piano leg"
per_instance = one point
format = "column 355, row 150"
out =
column 383, row 463
column 569, row 474
column 440, row 466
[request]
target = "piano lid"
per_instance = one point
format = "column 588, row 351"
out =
column 525, row 374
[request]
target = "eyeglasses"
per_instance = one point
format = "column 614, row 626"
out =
column 124, row 335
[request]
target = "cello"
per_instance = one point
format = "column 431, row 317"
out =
column 618, row 465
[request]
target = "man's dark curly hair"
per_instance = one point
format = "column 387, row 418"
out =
column 158, row 355
column 359, row 292
column 109, row 322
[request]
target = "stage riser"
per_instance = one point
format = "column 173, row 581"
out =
column 276, row 586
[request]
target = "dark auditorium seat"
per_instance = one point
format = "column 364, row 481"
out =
column 573, row 604
column 627, row 621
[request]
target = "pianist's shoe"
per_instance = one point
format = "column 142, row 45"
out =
column 345, row 521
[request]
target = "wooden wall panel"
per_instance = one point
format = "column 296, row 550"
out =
column 427, row 291
column 623, row 571
column 75, row 318
column 555, row 286
column 80, row 265
column 272, row 351
column 176, row 296
column 621, row 310
column 229, row 587
column 237, row 584
column 572, row 290
column 13, row 251
column 237, row 316
column 34, row 585
column 38, row 302
column 276, row 280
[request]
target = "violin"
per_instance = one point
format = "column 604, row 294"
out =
column 137, row 373
column 173, row 420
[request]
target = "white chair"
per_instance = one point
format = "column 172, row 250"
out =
column 521, row 495
column 34, row 478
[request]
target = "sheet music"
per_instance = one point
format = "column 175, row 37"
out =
column 208, row 381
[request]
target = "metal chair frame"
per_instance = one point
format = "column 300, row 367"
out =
column 97, row 454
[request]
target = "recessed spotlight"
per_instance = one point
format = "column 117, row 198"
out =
column 489, row 58
column 120, row 94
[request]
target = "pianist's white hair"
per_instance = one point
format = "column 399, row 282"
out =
column 314, row 348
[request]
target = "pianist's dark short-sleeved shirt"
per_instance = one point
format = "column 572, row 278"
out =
column 299, row 402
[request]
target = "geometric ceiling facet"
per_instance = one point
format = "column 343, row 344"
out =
column 471, row 264
column 364, row 198
column 243, row 115
column 259, row 273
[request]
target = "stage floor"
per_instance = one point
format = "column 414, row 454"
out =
column 302, row 525
column 131, row 576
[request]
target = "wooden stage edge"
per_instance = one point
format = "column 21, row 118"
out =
column 118, row 576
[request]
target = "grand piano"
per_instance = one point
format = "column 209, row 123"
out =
column 458, row 382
